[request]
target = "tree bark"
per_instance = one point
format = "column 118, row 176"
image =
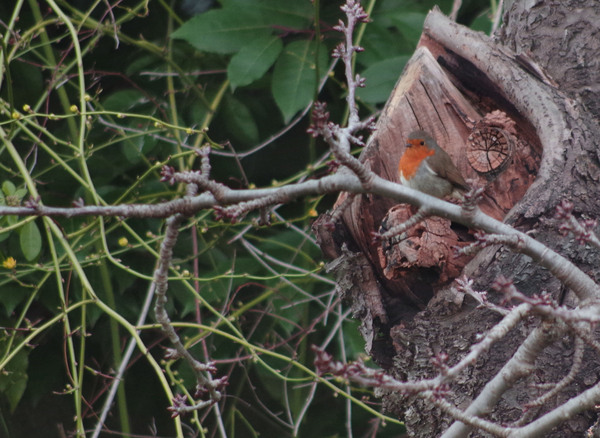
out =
column 542, row 72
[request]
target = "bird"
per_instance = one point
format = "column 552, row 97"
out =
column 426, row 167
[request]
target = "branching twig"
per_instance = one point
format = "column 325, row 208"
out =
column 563, row 269
column 483, row 240
column 203, row 371
column 582, row 230
column 520, row 365
column 340, row 139
column 398, row 230
column 555, row 388
column 355, row 178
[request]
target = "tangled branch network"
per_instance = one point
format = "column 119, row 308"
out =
column 353, row 177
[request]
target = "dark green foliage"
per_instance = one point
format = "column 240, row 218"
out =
column 254, row 298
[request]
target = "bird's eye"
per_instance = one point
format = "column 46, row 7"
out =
column 422, row 143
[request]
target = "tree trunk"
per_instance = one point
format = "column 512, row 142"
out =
column 535, row 90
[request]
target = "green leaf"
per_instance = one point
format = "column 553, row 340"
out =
column 8, row 188
column 136, row 147
column 239, row 120
column 139, row 64
column 482, row 22
column 124, row 100
column 13, row 379
column 11, row 295
column 379, row 43
column 294, row 78
column 224, row 30
column 31, row 240
column 253, row 60
column 291, row 14
column 389, row 8
column 410, row 24
column 381, row 78
column 20, row 193
column 354, row 342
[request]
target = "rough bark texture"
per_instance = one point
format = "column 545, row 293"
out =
column 543, row 72
column 563, row 37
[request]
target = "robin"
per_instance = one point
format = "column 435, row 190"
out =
column 426, row 167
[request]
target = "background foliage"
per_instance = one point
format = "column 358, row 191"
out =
column 158, row 79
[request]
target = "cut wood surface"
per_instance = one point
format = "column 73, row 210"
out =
column 427, row 98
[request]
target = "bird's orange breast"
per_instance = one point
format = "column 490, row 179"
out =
column 412, row 157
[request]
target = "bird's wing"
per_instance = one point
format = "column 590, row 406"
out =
column 447, row 170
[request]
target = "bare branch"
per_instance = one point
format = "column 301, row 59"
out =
column 398, row 230
column 203, row 371
column 563, row 269
column 521, row 364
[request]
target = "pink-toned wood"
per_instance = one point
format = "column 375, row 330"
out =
column 426, row 98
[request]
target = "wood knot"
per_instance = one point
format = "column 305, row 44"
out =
column 489, row 149
column 490, row 145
